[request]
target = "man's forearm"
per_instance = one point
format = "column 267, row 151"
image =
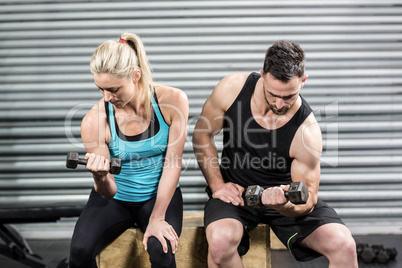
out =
column 208, row 161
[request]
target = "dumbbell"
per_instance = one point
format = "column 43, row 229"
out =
column 375, row 252
column 367, row 253
column 384, row 255
column 73, row 160
column 297, row 194
column 360, row 248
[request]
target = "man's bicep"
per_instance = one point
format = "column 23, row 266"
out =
column 310, row 176
column 311, row 139
column 308, row 173
column 305, row 169
column 211, row 118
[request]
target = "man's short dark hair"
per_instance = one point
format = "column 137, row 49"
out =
column 283, row 60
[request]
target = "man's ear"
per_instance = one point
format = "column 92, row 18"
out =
column 304, row 80
column 261, row 73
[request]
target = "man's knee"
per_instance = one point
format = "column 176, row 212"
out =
column 157, row 257
column 331, row 240
column 346, row 243
column 342, row 238
column 342, row 252
column 223, row 239
column 341, row 246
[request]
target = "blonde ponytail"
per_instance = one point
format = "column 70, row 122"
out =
column 121, row 59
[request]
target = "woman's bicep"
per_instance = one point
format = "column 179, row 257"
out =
column 93, row 133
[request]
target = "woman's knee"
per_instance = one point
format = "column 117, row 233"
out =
column 157, row 256
column 80, row 256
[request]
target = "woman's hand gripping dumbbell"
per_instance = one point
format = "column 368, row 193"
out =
column 73, row 161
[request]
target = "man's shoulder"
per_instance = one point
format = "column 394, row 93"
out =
column 308, row 139
column 228, row 89
column 235, row 80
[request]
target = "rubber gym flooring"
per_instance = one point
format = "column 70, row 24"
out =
column 53, row 251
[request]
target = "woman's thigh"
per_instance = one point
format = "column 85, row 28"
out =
column 101, row 221
column 174, row 212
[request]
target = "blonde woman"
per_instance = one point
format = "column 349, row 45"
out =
column 144, row 124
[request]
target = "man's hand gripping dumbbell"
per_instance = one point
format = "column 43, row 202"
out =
column 297, row 194
column 73, row 160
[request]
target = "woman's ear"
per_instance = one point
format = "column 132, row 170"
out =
column 136, row 75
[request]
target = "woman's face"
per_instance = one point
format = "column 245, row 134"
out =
column 117, row 91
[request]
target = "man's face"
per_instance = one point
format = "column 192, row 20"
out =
column 281, row 96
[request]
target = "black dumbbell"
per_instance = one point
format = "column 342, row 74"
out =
column 367, row 254
column 359, row 248
column 73, row 160
column 385, row 255
column 297, row 194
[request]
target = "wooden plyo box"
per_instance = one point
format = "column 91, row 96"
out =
column 127, row 250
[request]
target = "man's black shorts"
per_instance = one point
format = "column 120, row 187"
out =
column 287, row 229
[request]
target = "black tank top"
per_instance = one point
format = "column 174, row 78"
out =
column 252, row 154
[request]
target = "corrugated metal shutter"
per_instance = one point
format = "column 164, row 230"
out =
column 354, row 62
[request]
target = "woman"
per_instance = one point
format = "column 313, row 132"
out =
column 144, row 124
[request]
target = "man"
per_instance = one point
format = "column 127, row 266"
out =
column 270, row 138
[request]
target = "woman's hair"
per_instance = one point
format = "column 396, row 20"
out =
column 283, row 60
column 121, row 58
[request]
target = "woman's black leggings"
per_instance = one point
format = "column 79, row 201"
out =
column 104, row 220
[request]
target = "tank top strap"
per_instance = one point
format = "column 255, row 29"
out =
column 110, row 119
column 158, row 113
column 244, row 97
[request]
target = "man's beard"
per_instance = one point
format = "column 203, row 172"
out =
column 282, row 111
column 273, row 108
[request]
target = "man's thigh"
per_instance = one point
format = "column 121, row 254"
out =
column 216, row 211
column 323, row 239
column 293, row 230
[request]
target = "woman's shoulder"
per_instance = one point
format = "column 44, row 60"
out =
column 173, row 103
column 170, row 95
column 94, row 123
column 94, row 115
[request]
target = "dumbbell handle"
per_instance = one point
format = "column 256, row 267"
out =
column 82, row 161
column 297, row 194
column 73, row 160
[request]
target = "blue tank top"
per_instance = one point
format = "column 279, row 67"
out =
column 143, row 157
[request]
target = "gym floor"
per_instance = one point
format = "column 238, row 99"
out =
column 53, row 251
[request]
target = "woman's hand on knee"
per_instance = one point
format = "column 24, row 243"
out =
column 162, row 231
